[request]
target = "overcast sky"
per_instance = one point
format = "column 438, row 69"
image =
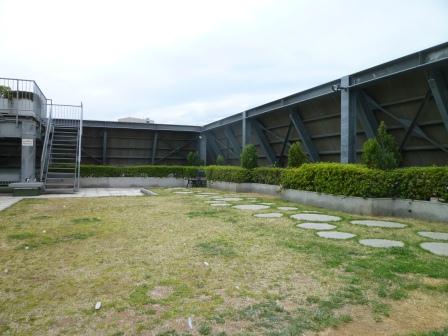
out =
column 192, row 62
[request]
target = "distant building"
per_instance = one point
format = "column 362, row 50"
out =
column 136, row 120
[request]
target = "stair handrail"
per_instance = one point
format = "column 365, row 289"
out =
column 45, row 153
column 78, row 151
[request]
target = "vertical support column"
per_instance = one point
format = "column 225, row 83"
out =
column 154, row 147
column 203, row 148
column 246, row 131
column 348, row 122
column 104, row 147
column 28, row 159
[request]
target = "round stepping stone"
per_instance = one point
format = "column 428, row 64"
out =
column 252, row 207
column 434, row 235
column 219, row 204
column 183, row 192
column 379, row 223
column 207, row 193
column 229, row 199
column 285, row 208
column 384, row 243
column 267, row 203
column 316, row 226
column 335, row 235
column 440, row 249
column 269, row 215
column 316, row 217
column 311, row 211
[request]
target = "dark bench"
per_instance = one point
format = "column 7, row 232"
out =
column 197, row 181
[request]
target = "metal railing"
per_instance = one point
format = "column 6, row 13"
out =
column 46, row 148
column 22, row 97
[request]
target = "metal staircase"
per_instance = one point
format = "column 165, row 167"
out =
column 61, row 153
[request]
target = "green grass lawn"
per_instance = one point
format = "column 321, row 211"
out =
column 154, row 262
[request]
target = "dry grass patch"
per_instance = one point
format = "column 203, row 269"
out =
column 154, row 262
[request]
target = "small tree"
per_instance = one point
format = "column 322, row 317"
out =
column 220, row 161
column 249, row 157
column 296, row 156
column 381, row 151
column 193, row 159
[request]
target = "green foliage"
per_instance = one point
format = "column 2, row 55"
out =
column 138, row 171
column 249, row 157
column 220, row 161
column 228, row 174
column 193, row 159
column 382, row 151
column 296, row 156
column 266, row 175
column 418, row 183
column 5, row 92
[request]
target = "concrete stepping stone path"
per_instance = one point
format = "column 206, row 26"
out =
column 316, row 217
column 381, row 243
column 434, row 235
column 379, row 223
column 335, row 235
column 266, row 203
column 183, row 192
column 229, row 199
column 269, row 215
column 252, row 207
column 316, row 226
column 219, row 204
column 440, row 249
column 286, row 208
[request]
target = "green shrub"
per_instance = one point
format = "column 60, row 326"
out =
column 338, row 179
column 418, row 183
column 266, row 175
column 228, row 174
column 193, row 159
column 296, row 156
column 249, row 157
column 138, row 171
column 381, row 151
column 220, row 161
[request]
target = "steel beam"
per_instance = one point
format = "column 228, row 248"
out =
column 304, row 136
column 233, row 142
column 366, row 116
column 212, row 146
column 348, row 122
column 104, row 147
column 154, row 147
column 246, row 131
column 415, row 119
column 286, row 140
column 203, row 148
column 142, row 126
column 263, row 141
column 439, row 90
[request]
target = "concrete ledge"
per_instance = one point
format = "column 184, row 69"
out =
column 425, row 210
column 130, row 182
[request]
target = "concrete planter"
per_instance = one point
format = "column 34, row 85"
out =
column 129, row 182
column 425, row 210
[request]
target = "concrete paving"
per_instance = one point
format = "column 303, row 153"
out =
column 335, row 235
column 379, row 223
column 316, row 226
column 316, row 217
column 434, row 235
column 6, row 201
column 287, row 208
column 381, row 243
column 440, row 249
column 269, row 215
column 252, row 207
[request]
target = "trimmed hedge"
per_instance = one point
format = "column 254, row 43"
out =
column 418, row 183
column 138, row 171
column 228, row 174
